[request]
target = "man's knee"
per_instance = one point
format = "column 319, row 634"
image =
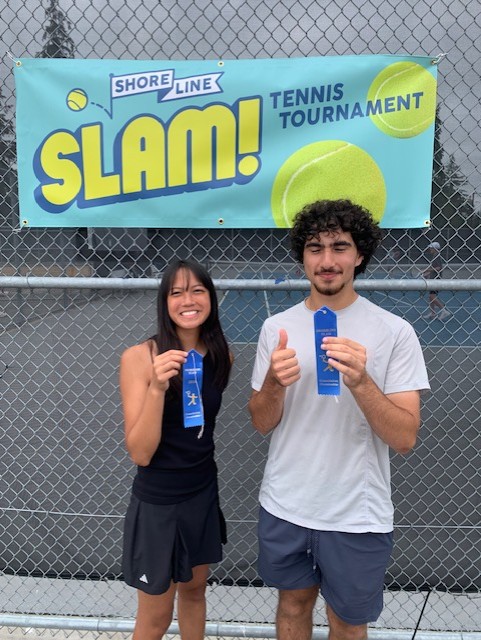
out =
column 297, row 602
column 340, row 630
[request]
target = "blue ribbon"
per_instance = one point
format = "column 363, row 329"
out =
column 325, row 324
column 192, row 390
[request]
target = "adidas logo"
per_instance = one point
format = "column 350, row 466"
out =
column 144, row 579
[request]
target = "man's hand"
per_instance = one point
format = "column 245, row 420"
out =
column 266, row 406
column 349, row 358
column 284, row 365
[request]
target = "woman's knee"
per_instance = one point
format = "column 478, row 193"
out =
column 193, row 591
column 152, row 626
column 154, row 615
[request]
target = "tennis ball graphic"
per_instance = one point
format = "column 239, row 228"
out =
column 77, row 100
column 327, row 170
column 412, row 93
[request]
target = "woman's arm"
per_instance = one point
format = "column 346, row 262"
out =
column 143, row 385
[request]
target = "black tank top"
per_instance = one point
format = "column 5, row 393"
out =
column 184, row 462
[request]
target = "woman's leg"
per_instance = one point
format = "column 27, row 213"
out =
column 154, row 614
column 191, row 605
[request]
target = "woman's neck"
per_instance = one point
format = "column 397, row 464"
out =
column 191, row 340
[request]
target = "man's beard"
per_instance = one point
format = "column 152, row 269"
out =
column 329, row 291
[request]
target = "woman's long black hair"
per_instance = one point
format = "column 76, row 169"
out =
column 210, row 331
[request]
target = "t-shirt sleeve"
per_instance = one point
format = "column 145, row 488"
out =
column 407, row 369
column 263, row 359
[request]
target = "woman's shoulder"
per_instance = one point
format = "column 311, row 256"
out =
column 142, row 353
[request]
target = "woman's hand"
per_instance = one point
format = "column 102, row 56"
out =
column 165, row 366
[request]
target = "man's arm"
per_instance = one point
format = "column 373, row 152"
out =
column 266, row 406
column 395, row 417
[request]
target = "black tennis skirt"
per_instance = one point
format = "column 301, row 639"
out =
column 163, row 542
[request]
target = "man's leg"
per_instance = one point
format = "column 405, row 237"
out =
column 352, row 577
column 294, row 613
column 340, row 630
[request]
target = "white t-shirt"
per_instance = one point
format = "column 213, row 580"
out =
column 326, row 468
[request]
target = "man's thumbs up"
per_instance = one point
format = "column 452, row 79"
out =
column 284, row 365
column 282, row 340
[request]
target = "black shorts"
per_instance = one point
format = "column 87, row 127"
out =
column 162, row 543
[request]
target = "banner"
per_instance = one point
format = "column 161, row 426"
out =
column 231, row 143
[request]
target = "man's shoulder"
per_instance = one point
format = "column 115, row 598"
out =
column 295, row 319
column 379, row 314
column 291, row 314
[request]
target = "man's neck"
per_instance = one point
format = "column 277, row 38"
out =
column 336, row 302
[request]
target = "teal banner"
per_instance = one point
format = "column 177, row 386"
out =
column 231, row 143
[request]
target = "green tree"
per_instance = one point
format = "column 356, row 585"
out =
column 56, row 36
column 450, row 205
column 7, row 158
column 57, row 44
column 7, row 134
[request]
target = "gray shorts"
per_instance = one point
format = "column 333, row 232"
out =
column 349, row 568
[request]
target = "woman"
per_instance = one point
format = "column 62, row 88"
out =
column 174, row 527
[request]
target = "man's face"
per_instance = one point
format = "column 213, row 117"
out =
column 329, row 262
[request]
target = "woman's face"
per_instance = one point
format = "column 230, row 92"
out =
column 188, row 301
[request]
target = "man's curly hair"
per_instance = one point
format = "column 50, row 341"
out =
column 332, row 216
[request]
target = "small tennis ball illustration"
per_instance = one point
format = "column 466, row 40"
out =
column 407, row 93
column 327, row 170
column 77, row 100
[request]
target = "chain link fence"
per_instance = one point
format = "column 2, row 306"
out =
column 72, row 299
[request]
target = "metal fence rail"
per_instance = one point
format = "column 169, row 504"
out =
column 114, row 629
column 72, row 299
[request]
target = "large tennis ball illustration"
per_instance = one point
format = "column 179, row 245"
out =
column 327, row 170
column 407, row 94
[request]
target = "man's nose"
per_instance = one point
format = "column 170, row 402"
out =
column 327, row 258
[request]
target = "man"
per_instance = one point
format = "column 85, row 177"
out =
column 434, row 271
column 326, row 515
